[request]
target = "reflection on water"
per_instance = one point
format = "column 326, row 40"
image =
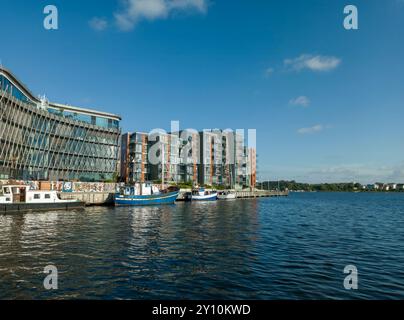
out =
column 293, row 248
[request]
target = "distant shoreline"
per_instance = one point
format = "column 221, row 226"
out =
column 342, row 191
column 294, row 186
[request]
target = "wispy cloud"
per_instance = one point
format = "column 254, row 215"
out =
column 316, row 63
column 309, row 130
column 134, row 11
column 364, row 173
column 302, row 101
column 269, row 71
column 342, row 172
column 98, row 24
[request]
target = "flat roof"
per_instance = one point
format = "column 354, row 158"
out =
column 20, row 85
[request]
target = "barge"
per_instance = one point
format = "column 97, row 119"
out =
column 19, row 198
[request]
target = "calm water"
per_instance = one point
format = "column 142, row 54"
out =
column 290, row 248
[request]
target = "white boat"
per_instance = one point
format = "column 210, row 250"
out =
column 226, row 195
column 16, row 198
column 203, row 195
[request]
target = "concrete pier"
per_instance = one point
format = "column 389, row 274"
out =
column 245, row 194
column 261, row 194
column 107, row 198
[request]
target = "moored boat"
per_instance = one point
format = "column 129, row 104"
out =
column 20, row 198
column 226, row 195
column 143, row 194
column 203, row 195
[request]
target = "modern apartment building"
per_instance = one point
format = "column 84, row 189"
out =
column 212, row 157
column 134, row 157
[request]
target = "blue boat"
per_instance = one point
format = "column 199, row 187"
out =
column 145, row 195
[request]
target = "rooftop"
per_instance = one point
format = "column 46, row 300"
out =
column 21, row 86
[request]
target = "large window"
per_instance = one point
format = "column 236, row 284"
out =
column 7, row 86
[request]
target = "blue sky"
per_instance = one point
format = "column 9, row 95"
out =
column 327, row 103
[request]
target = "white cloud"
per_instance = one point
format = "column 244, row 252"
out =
column 269, row 71
column 98, row 24
column 136, row 10
column 314, row 63
column 313, row 129
column 302, row 101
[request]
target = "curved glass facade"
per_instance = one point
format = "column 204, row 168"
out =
column 51, row 144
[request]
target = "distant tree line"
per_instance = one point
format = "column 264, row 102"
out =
column 296, row 186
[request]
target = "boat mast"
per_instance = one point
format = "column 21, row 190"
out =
column 162, row 165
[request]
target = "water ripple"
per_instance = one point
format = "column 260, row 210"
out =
column 294, row 248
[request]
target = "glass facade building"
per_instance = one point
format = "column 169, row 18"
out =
column 47, row 141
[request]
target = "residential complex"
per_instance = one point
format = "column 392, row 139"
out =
column 41, row 140
column 134, row 153
column 212, row 157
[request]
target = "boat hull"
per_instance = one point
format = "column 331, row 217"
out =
column 158, row 199
column 227, row 197
column 39, row 207
column 210, row 197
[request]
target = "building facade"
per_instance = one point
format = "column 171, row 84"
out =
column 189, row 156
column 48, row 141
column 226, row 160
column 164, row 149
column 134, row 161
column 212, row 157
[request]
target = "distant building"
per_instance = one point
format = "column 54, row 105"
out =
column 392, row 186
column 378, row 186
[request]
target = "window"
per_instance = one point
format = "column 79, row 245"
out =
column 47, row 196
column 37, row 196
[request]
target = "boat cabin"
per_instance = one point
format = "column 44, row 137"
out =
column 202, row 192
column 139, row 189
column 23, row 194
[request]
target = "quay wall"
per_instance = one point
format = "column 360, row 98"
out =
column 106, row 198
column 245, row 194
column 98, row 193
column 90, row 198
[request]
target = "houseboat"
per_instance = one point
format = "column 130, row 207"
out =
column 19, row 198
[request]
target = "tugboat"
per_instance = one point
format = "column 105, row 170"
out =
column 19, row 198
column 203, row 195
column 143, row 194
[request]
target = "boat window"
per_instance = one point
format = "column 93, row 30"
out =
column 47, row 196
column 6, row 190
column 37, row 196
column 8, row 199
